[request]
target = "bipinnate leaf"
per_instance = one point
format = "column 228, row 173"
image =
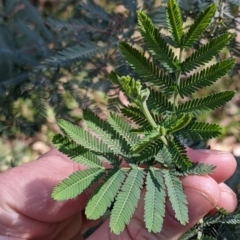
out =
column 206, row 52
column 174, row 22
column 150, row 141
column 76, row 152
column 200, row 24
column 205, row 77
column 104, row 194
column 127, row 200
column 156, row 44
column 154, row 206
column 199, row 106
column 176, row 196
column 76, row 183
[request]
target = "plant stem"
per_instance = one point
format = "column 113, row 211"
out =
column 178, row 78
column 147, row 114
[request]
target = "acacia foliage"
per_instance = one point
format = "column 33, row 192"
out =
column 148, row 134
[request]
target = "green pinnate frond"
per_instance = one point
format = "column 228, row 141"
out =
column 145, row 141
column 123, row 128
column 164, row 156
column 198, row 169
column 200, row 130
column 148, row 152
column 127, row 200
column 205, row 77
column 199, row 106
column 156, row 44
column 104, row 194
column 206, row 52
column 135, row 114
column 148, row 70
column 107, row 134
column 179, row 154
column 176, row 196
column 76, row 183
column 200, row 24
column 81, row 136
column 154, row 206
column 158, row 103
column 174, row 22
column 76, row 152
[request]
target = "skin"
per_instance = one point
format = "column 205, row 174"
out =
column 27, row 210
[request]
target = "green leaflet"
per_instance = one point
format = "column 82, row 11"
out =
column 200, row 24
column 77, row 153
column 199, row 130
column 164, row 156
column 107, row 134
column 158, row 103
column 149, row 71
column 199, row 106
column 126, row 201
column 147, row 140
column 206, row 77
column 197, row 169
column 206, row 52
column 81, row 136
column 179, row 155
column 174, row 22
column 135, row 114
column 123, row 128
column 148, row 153
column 76, row 183
column 176, row 196
column 105, row 194
column 154, row 207
column 156, row 44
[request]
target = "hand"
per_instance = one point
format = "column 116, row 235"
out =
column 27, row 210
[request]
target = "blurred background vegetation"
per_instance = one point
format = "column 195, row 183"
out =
column 55, row 56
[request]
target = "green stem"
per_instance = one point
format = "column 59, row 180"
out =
column 147, row 114
column 178, row 79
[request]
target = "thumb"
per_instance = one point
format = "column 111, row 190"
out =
column 31, row 196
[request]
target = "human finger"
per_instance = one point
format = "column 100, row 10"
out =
column 225, row 162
